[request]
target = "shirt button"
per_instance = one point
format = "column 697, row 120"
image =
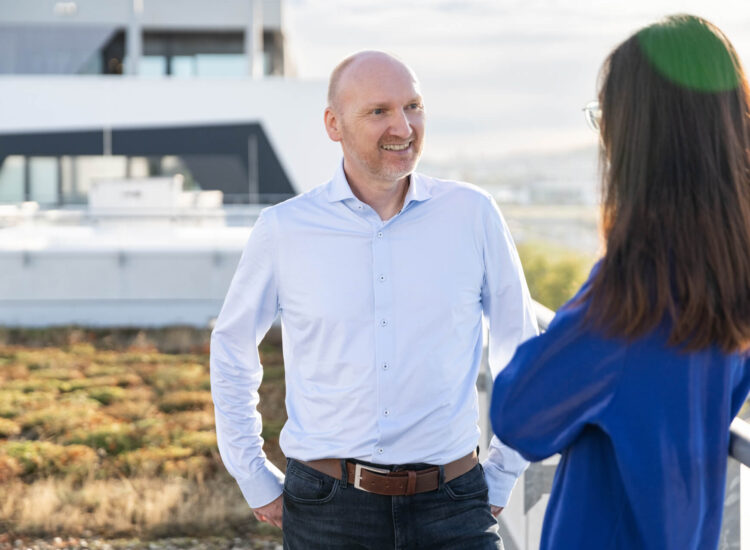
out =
column 381, row 278
column 380, row 234
column 386, row 366
column 359, row 207
column 380, row 451
column 384, row 322
column 386, row 412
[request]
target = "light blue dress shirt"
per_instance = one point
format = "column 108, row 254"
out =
column 382, row 331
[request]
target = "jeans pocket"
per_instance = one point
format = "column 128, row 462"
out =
column 469, row 485
column 305, row 485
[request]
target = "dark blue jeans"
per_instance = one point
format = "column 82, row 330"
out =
column 324, row 513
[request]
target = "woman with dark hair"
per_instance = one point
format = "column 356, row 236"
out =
column 638, row 378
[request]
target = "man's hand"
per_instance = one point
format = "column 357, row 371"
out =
column 495, row 510
column 271, row 513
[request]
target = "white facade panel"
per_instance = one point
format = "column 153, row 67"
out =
column 139, row 274
column 109, row 287
column 161, row 14
column 115, row 313
column 290, row 111
column 65, row 12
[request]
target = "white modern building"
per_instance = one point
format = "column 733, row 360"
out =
column 138, row 91
column 143, row 88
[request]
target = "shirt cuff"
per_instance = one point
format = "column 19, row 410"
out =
column 263, row 487
column 499, row 483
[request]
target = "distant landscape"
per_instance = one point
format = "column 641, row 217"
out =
column 547, row 198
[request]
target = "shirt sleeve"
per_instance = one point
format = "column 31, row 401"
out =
column 554, row 386
column 509, row 311
column 249, row 309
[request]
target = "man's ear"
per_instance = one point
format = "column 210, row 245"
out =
column 332, row 124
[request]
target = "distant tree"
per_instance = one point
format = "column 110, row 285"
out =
column 553, row 274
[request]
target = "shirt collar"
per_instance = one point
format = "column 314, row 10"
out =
column 338, row 187
column 418, row 189
column 339, row 190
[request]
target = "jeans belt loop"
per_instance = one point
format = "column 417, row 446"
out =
column 344, row 477
column 411, row 482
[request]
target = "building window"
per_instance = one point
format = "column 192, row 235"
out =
column 43, row 180
column 220, row 65
column 152, row 65
column 113, row 54
column 12, row 176
column 189, row 54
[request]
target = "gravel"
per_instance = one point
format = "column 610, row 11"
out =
column 71, row 543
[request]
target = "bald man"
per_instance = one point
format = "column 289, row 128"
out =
column 381, row 277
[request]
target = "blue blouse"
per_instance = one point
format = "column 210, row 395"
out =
column 643, row 429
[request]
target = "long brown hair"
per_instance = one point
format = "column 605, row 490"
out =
column 675, row 162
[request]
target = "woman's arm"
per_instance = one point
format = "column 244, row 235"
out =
column 555, row 384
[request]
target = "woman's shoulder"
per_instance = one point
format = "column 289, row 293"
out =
column 572, row 314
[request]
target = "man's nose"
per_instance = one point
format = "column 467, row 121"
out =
column 400, row 126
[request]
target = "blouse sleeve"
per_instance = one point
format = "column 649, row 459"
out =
column 740, row 384
column 554, row 386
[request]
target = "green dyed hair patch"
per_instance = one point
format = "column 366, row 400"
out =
column 691, row 52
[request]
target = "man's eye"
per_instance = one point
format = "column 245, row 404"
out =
column 378, row 111
column 415, row 106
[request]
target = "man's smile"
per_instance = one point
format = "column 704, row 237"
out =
column 396, row 146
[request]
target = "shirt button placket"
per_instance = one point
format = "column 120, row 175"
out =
column 384, row 333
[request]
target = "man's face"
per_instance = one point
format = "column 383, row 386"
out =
column 380, row 120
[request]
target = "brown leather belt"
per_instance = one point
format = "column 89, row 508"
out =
column 389, row 483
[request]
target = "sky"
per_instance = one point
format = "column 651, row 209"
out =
column 499, row 77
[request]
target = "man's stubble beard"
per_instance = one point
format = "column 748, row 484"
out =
column 383, row 170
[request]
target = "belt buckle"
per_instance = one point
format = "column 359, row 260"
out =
column 358, row 474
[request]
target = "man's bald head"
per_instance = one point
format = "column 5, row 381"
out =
column 375, row 111
column 350, row 67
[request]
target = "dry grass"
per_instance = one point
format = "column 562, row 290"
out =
column 149, row 507
column 120, row 443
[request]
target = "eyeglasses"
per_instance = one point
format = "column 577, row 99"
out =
column 593, row 113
